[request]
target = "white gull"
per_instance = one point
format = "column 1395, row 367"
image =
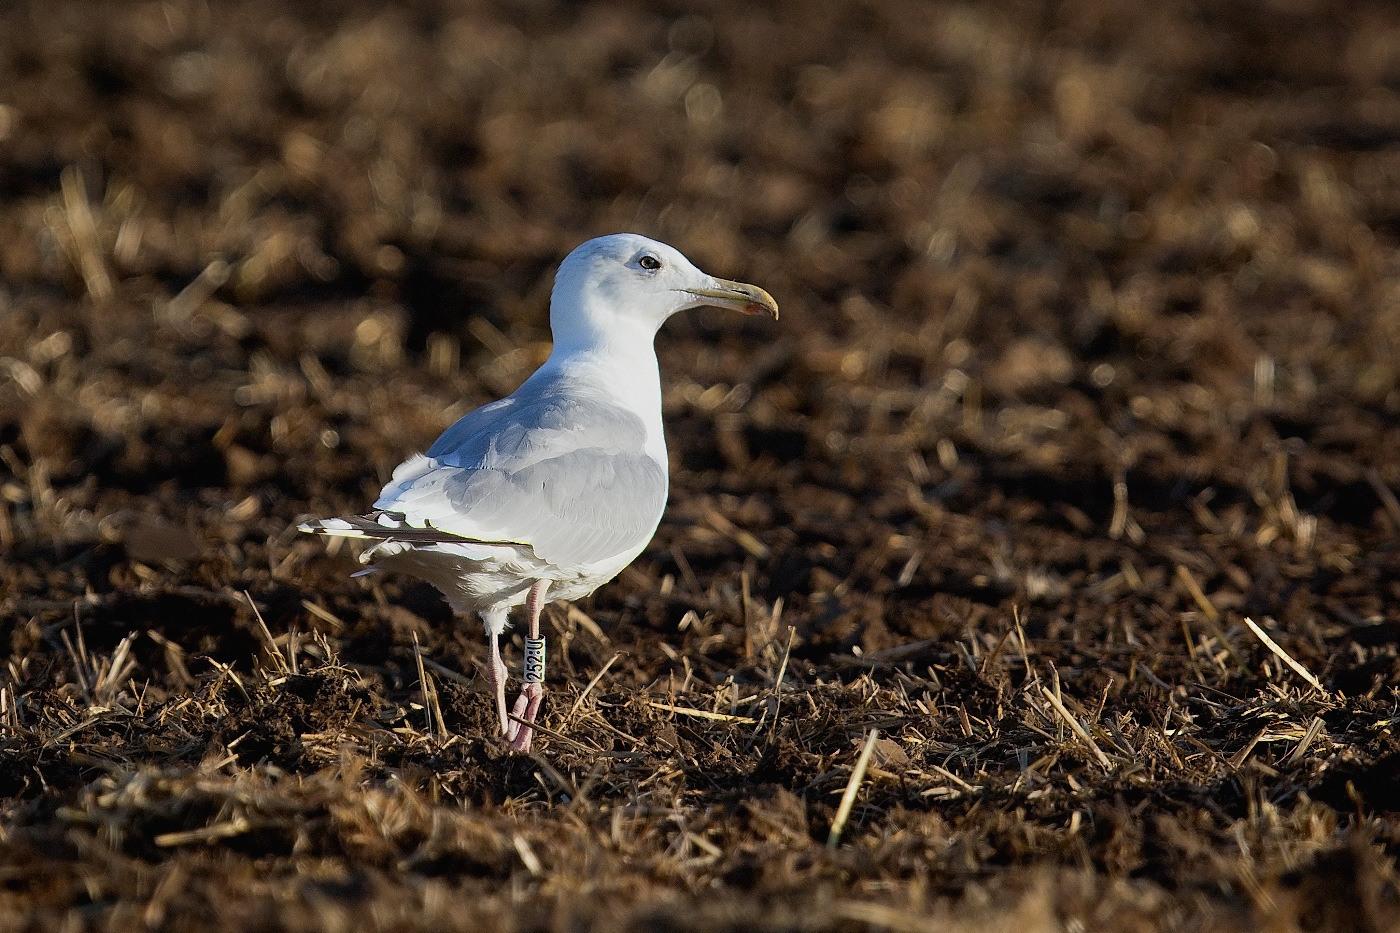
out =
column 550, row 492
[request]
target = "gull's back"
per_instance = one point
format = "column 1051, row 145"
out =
column 559, row 467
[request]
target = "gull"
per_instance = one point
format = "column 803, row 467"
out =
column 550, row 492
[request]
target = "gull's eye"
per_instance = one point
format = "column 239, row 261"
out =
column 649, row 263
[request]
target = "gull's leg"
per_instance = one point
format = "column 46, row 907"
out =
column 494, row 619
column 496, row 675
column 528, row 704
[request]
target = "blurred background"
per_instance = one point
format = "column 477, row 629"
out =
column 1120, row 214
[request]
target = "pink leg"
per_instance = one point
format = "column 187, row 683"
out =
column 496, row 675
column 527, row 706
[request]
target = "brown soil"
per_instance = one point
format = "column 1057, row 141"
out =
column 1089, row 353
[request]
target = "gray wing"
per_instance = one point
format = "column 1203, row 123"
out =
column 556, row 466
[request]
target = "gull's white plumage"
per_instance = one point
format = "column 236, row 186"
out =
column 552, row 491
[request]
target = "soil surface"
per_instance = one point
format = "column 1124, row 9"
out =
column 1053, row 527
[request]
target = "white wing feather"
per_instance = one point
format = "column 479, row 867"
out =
column 556, row 467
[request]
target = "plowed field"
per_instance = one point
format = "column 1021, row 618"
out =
column 1064, row 489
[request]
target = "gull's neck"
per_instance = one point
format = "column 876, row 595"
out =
column 627, row 370
column 617, row 352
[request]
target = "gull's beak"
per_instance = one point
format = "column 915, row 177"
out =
column 749, row 299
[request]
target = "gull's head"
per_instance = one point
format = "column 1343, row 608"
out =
column 628, row 284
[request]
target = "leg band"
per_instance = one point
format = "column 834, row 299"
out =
column 534, row 660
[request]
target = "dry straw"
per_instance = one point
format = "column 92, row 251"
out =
column 848, row 799
column 1284, row 656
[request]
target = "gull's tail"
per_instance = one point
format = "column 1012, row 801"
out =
column 379, row 526
column 355, row 526
column 388, row 526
